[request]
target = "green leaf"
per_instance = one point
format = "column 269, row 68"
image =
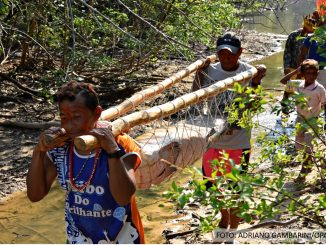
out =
column 182, row 200
column 231, row 176
column 322, row 200
column 292, row 206
column 174, row 186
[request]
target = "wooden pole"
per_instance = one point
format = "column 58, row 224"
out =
column 123, row 124
column 150, row 92
column 137, row 98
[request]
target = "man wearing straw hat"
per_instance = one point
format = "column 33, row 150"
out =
column 235, row 141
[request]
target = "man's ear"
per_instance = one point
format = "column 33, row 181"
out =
column 98, row 112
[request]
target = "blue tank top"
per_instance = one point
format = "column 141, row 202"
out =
column 92, row 215
column 317, row 51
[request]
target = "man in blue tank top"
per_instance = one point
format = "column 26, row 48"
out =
column 100, row 184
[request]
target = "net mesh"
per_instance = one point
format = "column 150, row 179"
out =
column 170, row 143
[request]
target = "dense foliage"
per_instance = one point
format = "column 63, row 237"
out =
column 111, row 38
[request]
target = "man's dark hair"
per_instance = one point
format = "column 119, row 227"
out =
column 73, row 88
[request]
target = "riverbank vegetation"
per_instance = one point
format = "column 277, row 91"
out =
column 110, row 39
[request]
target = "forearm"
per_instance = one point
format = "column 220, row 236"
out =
column 36, row 177
column 198, row 81
column 288, row 76
column 122, row 181
column 261, row 72
column 255, row 82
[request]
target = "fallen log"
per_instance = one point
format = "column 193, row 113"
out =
column 260, row 225
column 270, row 223
column 32, row 92
column 30, row 125
column 181, row 233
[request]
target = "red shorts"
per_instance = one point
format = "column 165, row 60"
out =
column 234, row 157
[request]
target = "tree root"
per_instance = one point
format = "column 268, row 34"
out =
column 181, row 233
column 270, row 223
column 10, row 99
column 32, row 92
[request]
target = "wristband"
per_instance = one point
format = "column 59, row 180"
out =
column 117, row 154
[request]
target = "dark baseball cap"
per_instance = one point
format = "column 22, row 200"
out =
column 228, row 41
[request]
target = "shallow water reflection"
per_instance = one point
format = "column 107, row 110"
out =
column 281, row 22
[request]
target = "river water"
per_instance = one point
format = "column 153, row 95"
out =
column 43, row 222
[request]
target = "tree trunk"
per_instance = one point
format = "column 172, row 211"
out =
column 25, row 46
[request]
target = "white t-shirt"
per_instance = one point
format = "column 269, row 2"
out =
column 231, row 139
column 315, row 94
column 322, row 77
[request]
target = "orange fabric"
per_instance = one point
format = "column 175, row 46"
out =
column 136, row 220
column 213, row 154
column 129, row 145
column 319, row 4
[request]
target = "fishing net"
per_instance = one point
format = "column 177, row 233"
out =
column 170, row 127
